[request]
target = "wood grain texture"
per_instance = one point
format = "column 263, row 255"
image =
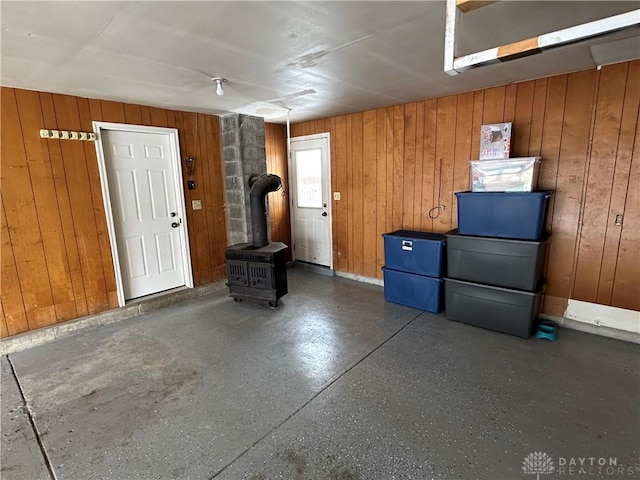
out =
column 381, row 187
column 462, row 152
column 621, row 182
column 357, row 193
column 340, row 164
column 549, row 149
column 429, row 201
column 626, row 284
column 418, row 212
column 551, row 118
column 22, row 219
column 409, row 167
column 56, row 257
column 369, row 204
column 599, row 188
column 46, row 203
column 276, row 155
column 4, row 330
column 81, row 201
column 64, row 206
column 569, row 182
column 522, row 119
column 397, row 174
column 445, row 161
column 10, row 288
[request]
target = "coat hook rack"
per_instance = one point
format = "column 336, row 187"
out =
column 67, row 135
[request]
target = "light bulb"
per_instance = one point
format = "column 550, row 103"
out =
column 219, row 89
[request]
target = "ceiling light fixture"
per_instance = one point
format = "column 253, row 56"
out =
column 219, row 81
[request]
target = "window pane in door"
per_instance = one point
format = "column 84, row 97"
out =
column 309, row 178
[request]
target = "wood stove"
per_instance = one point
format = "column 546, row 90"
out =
column 258, row 270
column 257, row 273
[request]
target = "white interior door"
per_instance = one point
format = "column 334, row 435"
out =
column 310, row 180
column 147, row 217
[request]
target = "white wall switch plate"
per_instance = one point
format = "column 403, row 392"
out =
column 336, row 195
column 196, row 204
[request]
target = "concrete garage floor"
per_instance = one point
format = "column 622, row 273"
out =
column 333, row 384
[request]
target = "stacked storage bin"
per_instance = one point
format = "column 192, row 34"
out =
column 414, row 267
column 495, row 260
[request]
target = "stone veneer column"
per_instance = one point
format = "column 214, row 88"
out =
column 243, row 155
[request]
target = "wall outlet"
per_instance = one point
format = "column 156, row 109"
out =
column 196, row 204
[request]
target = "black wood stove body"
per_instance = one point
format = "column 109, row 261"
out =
column 257, row 273
column 258, row 270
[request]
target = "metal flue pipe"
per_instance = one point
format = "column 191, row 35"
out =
column 260, row 186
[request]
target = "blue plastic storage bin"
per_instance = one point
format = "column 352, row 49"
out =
column 415, row 252
column 520, row 215
column 416, row 291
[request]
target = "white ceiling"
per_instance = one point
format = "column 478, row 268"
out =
column 316, row 58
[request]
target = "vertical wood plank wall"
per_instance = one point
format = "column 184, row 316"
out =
column 393, row 165
column 55, row 255
column 276, row 153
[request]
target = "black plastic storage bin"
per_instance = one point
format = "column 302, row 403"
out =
column 496, row 308
column 415, row 252
column 519, row 215
column 499, row 262
column 417, row 291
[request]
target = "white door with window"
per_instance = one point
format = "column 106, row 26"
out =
column 146, row 202
column 310, row 180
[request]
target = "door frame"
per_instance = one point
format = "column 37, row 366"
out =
column 98, row 128
column 316, row 136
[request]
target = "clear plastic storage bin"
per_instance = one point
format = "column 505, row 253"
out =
column 505, row 175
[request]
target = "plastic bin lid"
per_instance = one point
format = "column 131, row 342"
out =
column 411, row 234
column 524, row 194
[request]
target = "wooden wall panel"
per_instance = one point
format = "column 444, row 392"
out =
column 85, row 109
column 599, row 187
column 445, row 161
column 276, row 153
column 626, row 283
column 64, row 207
column 381, row 186
column 419, row 167
column 82, row 212
column 12, row 301
column 55, row 252
column 44, row 193
column 356, row 194
column 369, row 204
column 549, row 149
column 132, row 114
column 552, row 118
column 22, row 219
column 429, row 165
column 409, row 167
column 340, row 207
column 462, row 151
column 619, row 281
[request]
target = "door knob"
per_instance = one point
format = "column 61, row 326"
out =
column 175, row 225
column 324, row 214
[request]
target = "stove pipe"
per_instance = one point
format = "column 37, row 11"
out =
column 260, row 186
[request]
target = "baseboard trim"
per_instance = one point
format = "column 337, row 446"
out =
column 360, row 278
column 603, row 331
column 135, row 308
